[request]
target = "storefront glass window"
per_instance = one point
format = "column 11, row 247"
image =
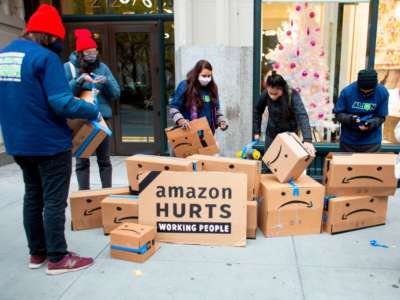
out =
column 169, row 56
column 319, row 48
column 387, row 61
column 95, row 7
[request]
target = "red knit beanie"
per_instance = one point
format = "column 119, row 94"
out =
column 84, row 40
column 47, row 20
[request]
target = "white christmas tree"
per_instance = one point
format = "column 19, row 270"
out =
column 300, row 58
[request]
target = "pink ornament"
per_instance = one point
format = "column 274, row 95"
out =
column 322, row 53
column 308, row 31
column 313, row 43
column 321, row 116
column 277, row 66
column 280, row 47
column 288, row 33
column 298, row 52
column 304, row 74
column 313, row 105
column 292, row 65
column 298, row 7
column 316, row 75
column 312, row 14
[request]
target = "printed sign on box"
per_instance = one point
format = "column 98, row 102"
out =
column 196, row 208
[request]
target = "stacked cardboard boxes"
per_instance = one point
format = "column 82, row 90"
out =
column 357, row 190
column 290, row 203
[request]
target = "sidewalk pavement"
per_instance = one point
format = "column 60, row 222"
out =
column 316, row 267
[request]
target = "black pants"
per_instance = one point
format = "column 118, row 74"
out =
column 104, row 163
column 47, row 182
column 371, row 148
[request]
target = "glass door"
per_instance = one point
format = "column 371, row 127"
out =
column 135, row 59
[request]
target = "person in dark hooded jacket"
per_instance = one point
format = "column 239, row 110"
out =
column 84, row 71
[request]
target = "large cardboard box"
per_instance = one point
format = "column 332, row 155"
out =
column 89, row 137
column 199, row 139
column 389, row 126
column 287, row 158
column 251, row 219
column 119, row 209
column 251, row 168
column 86, row 207
column 290, row 209
column 207, row 208
column 348, row 174
column 354, row 212
column 133, row 242
column 140, row 166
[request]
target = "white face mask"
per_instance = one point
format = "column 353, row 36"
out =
column 204, row 80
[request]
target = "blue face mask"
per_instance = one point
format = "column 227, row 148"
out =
column 90, row 58
column 57, row 47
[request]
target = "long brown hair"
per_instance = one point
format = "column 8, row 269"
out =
column 193, row 85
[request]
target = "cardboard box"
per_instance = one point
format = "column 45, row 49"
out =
column 76, row 124
column 139, row 167
column 286, row 209
column 133, row 242
column 198, row 140
column 251, row 219
column 356, row 174
column 86, row 207
column 119, row 209
column 89, row 137
column 354, row 212
column 205, row 208
column 251, row 168
column 389, row 126
column 287, row 157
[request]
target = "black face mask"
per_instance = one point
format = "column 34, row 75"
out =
column 57, row 47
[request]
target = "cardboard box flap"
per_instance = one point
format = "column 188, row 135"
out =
column 132, row 235
column 128, row 199
column 361, row 159
column 150, row 159
column 101, row 192
column 227, row 160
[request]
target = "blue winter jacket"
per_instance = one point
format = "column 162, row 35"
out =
column 107, row 91
column 36, row 100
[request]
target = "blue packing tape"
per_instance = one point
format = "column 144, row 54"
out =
column 141, row 250
column 326, row 201
column 97, row 128
column 296, row 190
column 195, row 165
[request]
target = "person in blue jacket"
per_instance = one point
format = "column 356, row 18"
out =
column 197, row 97
column 361, row 109
column 85, row 71
column 35, row 103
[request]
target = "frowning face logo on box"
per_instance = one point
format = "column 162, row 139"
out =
column 296, row 200
column 349, row 212
column 352, row 176
column 90, row 211
column 120, row 219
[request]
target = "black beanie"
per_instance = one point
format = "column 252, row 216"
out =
column 367, row 79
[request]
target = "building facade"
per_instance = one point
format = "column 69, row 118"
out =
column 150, row 45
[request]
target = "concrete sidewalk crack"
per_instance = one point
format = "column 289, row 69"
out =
column 298, row 269
column 81, row 274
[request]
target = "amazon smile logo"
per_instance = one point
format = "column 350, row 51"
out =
column 307, row 204
column 91, row 211
column 350, row 179
column 276, row 158
column 120, row 220
column 345, row 216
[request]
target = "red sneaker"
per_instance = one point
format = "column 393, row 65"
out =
column 70, row 263
column 36, row 261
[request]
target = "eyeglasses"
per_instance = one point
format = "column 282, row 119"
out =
column 91, row 52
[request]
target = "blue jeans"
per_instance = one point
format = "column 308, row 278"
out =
column 47, row 180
